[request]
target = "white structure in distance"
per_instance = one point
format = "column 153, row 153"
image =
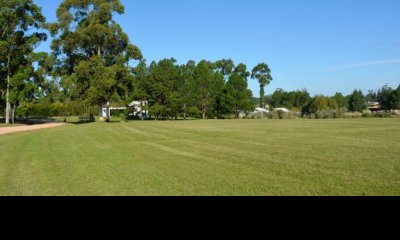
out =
column 285, row 110
column 139, row 109
column 261, row 110
column 104, row 111
column 136, row 109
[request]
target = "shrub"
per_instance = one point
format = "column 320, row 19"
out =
column 368, row 115
column 282, row 115
column 340, row 113
column 382, row 115
column 273, row 115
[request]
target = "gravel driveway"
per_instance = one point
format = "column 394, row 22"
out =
column 8, row 130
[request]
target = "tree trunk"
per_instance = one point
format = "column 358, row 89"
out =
column 262, row 94
column 8, row 90
column 100, row 109
column 184, row 111
column 13, row 114
column 108, row 113
column 204, row 112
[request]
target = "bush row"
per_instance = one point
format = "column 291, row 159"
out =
column 274, row 115
column 323, row 114
column 56, row 109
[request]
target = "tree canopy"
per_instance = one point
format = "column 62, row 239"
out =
column 20, row 25
column 357, row 101
column 93, row 53
column 262, row 73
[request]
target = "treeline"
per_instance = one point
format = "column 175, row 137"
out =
column 334, row 106
column 93, row 63
column 203, row 90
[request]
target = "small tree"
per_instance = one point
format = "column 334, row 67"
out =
column 387, row 98
column 263, row 74
column 357, row 101
column 204, row 85
column 342, row 101
column 236, row 95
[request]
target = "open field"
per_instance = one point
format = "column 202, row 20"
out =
column 244, row 157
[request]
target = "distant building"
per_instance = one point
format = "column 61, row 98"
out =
column 139, row 109
column 104, row 111
column 261, row 110
column 285, row 110
column 373, row 106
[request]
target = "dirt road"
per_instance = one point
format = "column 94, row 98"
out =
column 8, row 130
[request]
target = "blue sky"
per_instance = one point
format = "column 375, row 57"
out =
column 325, row 46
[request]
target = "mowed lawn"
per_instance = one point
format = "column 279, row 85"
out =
column 216, row 157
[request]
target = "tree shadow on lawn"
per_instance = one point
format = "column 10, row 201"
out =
column 35, row 121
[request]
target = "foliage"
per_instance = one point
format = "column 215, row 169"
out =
column 320, row 103
column 295, row 99
column 388, row 98
column 357, row 101
column 92, row 51
column 342, row 101
column 93, row 62
column 378, row 115
column 45, row 109
column 262, row 73
column 205, row 85
column 20, row 25
column 236, row 96
column 163, row 81
column 396, row 96
column 372, row 96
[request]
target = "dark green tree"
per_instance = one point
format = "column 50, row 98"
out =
column 93, row 53
column 163, row 80
column 262, row 73
column 357, row 101
column 342, row 101
column 372, row 96
column 186, row 87
column 387, row 98
column 236, row 95
column 205, row 86
column 278, row 98
column 302, row 99
column 20, row 25
column 140, row 74
column 225, row 67
column 319, row 103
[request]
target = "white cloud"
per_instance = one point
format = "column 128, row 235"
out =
column 364, row 64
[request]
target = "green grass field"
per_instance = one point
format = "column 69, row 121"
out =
column 243, row 157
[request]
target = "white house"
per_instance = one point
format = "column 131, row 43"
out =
column 261, row 110
column 285, row 110
column 104, row 111
column 138, row 109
